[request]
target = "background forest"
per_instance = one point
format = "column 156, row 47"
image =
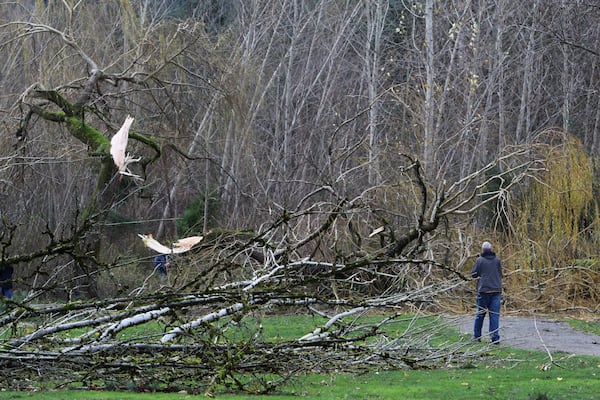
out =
column 256, row 105
column 374, row 143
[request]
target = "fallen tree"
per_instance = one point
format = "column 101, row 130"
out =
column 331, row 259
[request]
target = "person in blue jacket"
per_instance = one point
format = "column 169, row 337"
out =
column 162, row 262
column 488, row 271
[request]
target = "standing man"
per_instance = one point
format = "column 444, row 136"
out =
column 162, row 263
column 488, row 269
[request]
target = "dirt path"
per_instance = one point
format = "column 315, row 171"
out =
column 537, row 333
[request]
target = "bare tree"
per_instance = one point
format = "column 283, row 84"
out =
column 306, row 119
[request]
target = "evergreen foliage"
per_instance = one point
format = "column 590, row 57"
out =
column 203, row 206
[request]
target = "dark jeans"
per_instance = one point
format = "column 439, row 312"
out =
column 488, row 303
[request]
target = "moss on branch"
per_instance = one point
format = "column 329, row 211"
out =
column 72, row 115
column 88, row 135
column 56, row 116
column 147, row 141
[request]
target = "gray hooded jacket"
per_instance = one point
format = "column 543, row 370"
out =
column 488, row 269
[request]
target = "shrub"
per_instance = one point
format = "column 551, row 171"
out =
column 192, row 220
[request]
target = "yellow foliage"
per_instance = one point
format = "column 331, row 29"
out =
column 564, row 197
column 553, row 230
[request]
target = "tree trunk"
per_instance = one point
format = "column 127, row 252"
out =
column 429, row 142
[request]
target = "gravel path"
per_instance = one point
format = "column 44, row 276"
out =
column 537, row 333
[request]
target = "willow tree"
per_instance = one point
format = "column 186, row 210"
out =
column 556, row 226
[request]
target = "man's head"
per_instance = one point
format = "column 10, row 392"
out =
column 486, row 246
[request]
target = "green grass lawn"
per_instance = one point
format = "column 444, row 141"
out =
column 496, row 373
column 503, row 374
column 585, row 326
